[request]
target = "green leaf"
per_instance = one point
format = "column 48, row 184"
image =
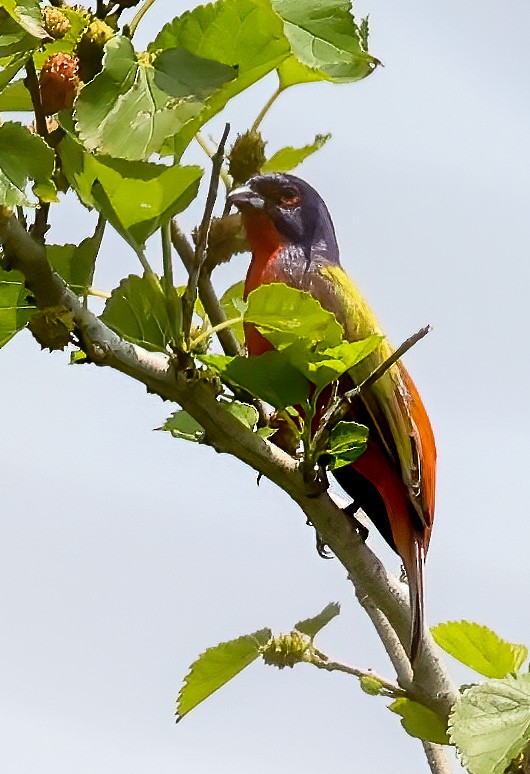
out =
column 233, row 306
column 10, row 68
column 28, row 14
column 134, row 104
column 23, row 157
column 285, row 315
column 324, row 366
column 244, row 34
column 76, row 263
column 216, row 666
column 288, row 158
column 311, row 626
column 420, row 721
column 244, row 412
column 14, row 38
column 269, row 377
column 490, row 724
column 347, row 441
column 479, row 648
column 182, row 425
column 15, row 311
column 325, row 42
column 137, row 311
column 136, row 197
column 15, row 97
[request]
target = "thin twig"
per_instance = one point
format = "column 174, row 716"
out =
column 210, row 152
column 168, row 284
column 190, row 294
column 338, row 408
column 40, row 225
column 265, row 109
column 207, row 294
column 138, row 16
column 321, row 661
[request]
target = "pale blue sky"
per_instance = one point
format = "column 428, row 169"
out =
column 124, row 553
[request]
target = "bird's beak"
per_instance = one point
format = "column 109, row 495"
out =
column 244, row 197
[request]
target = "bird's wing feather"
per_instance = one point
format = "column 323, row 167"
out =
column 393, row 403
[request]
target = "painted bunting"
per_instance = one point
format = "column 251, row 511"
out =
column 292, row 239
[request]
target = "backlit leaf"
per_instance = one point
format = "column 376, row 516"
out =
column 419, row 721
column 288, row 158
column 311, row 626
column 15, row 311
column 216, row 666
column 479, row 648
column 244, row 412
column 182, row 425
column 285, row 315
column 76, row 263
column 233, row 306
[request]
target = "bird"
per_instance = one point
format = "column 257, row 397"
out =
column 292, row 240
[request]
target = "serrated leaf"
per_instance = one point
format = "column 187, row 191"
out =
column 136, row 197
column 137, row 311
column 245, row 34
column 325, row 42
column 419, row 721
column 233, row 306
column 285, row 315
column 182, row 425
column 347, row 441
column 24, row 157
column 479, row 648
column 15, row 311
column 244, row 412
column 490, row 724
column 216, row 666
column 311, row 626
column 269, row 377
column 15, row 97
column 324, row 366
column 76, row 263
column 289, row 158
column 134, row 104
column 27, row 13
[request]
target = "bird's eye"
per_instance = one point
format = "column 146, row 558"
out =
column 290, row 199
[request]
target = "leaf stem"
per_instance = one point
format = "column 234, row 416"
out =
column 389, row 688
column 40, row 225
column 166, row 257
column 210, row 152
column 215, row 329
column 266, row 107
column 139, row 15
column 97, row 293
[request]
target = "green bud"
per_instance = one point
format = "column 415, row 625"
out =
column 370, row 685
column 56, row 23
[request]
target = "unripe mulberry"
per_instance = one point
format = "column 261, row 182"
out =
column 56, row 23
column 90, row 49
column 246, row 157
column 59, row 81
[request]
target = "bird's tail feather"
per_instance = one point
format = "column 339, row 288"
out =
column 415, row 579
